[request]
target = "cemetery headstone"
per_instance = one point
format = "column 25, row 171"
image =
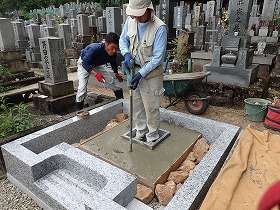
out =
column 7, row 38
column 113, row 20
column 83, row 25
column 65, row 33
column 268, row 9
column 53, row 59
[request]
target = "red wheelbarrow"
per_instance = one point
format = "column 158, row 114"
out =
column 182, row 88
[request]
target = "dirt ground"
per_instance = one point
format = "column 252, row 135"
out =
column 234, row 115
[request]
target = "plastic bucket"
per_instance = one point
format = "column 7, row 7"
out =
column 256, row 109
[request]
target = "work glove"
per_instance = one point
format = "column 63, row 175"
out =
column 99, row 77
column 127, row 58
column 119, row 77
column 135, row 81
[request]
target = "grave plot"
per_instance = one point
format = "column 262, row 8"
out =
column 37, row 161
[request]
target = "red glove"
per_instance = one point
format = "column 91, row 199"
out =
column 119, row 77
column 99, row 77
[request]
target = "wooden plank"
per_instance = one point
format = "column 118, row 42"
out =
column 186, row 76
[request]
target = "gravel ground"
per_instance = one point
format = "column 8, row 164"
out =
column 12, row 198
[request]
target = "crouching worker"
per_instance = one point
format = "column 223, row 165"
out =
column 92, row 62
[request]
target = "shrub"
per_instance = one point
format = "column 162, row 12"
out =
column 14, row 119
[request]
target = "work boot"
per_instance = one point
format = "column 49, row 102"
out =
column 119, row 93
column 79, row 105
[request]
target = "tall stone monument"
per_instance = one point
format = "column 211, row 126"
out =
column 114, row 20
column 166, row 15
column 20, row 36
column 232, row 59
column 7, row 38
column 56, row 93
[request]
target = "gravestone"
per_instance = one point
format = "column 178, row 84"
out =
column 20, row 36
column 83, row 25
column 188, row 22
column 102, row 25
column 73, row 22
column 63, row 12
column 166, row 15
column 268, row 9
column 49, row 31
column 73, row 14
column 74, row 33
column 33, row 32
column 232, row 61
column 124, row 15
column 199, row 37
column 65, row 33
column 7, row 38
column 239, row 11
column 254, row 19
column 113, row 20
column 92, row 20
column 53, row 59
column 210, row 11
column 179, row 17
column 56, row 93
column 197, row 12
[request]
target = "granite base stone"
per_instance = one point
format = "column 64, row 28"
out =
column 232, row 75
column 59, row 176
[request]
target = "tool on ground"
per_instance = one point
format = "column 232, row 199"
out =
column 132, row 73
column 111, row 86
column 82, row 114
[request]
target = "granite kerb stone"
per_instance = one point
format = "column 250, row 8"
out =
column 41, row 158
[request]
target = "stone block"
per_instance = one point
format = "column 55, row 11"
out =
column 263, row 31
column 271, row 39
column 264, row 71
column 232, row 75
column 18, row 66
column 20, row 44
column 56, row 90
column 57, row 105
column 93, row 30
column 197, row 64
column 72, row 69
column 10, row 55
column 69, row 53
column 73, row 62
column 36, row 57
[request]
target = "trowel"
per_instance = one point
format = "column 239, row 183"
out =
column 111, row 86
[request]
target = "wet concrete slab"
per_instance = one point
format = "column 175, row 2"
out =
column 147, row 164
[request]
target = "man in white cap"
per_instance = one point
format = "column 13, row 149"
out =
column 144, row 40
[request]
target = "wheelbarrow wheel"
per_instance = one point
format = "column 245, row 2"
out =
column 193, row 103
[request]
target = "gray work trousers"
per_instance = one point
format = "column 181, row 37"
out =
column 147, row 99
column 83, row 77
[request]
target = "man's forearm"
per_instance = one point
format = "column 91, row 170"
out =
column 93, row 73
